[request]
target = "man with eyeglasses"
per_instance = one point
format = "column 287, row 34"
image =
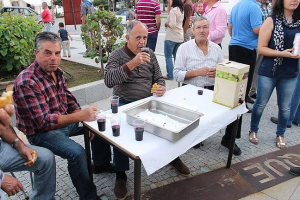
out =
column 196, row 61
column 48, row 114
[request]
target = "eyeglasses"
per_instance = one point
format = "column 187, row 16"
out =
column 202, row 27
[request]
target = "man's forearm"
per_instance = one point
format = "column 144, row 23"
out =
column 8, row 134
column 158, row 25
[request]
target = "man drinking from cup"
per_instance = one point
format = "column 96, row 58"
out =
column 131, row 73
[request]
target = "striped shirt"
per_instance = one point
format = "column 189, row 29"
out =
column 39, row 101
column 131, row 85
column 146, row 10
column 190, row 57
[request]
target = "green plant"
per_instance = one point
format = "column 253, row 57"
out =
column 17, row 34
column 100, row 34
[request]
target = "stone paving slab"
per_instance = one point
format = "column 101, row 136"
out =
column 219, row 184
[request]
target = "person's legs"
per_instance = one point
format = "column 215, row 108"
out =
column 175, row 49
column 296, row 120
column 285, row 88
column 168, row 50
column 295, row 105
column 44, row 169
column 151, row 41
column 254, row 81
column 60, row 144
column 47, row 27
column 64, row 47
column 265, row 89
column 68, row 48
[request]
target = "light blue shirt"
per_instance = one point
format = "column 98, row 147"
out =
column 244, row 17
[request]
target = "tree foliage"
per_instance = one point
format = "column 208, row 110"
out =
column 17, row 34
column 100, row 33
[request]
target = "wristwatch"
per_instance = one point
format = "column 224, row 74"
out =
column 15, row 141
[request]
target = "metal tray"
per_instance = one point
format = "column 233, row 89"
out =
column 191, row 118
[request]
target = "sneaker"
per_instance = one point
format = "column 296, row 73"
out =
column 295, row 171
column 103, row 167
column 180, row 167
column 275, row 121
column 120, row 189
column 236, row 151
column 69, row 56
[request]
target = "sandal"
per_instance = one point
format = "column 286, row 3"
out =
column 280, row 143
column 253, row 137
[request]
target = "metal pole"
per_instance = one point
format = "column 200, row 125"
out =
column 88, row 151
column 73, row 13
column 137, row 179
column 232, row 141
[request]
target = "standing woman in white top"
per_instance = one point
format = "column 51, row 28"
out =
column 174, row 35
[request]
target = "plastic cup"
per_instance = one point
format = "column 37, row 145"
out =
column 145, row 49
column 200, row 85
column 139, row 125
column 114, row 102
column 101, row 120
column 115, row 121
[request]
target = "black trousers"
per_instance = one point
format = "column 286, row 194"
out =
column 245, row 56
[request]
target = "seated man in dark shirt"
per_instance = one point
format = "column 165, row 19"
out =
column 131, row 73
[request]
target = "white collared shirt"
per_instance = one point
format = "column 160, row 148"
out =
column 190, row 57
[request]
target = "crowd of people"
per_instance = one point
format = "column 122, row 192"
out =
column 48, row 113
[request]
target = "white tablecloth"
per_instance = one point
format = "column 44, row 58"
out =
column 156, row 152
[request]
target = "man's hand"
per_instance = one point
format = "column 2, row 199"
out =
column 89, row 114
column 139, row 59
column 206, row 71
column 10, row 185
column 26, row 153
column 160, row 91
column 211, row 72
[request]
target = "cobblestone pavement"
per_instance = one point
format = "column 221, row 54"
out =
column 210, row 157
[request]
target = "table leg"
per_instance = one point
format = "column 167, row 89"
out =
column 137, row 179
column 88, row 151
column 232, row 141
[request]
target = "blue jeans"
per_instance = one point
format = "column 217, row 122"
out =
column 44, row 169
column 285, row 88
column 151, row 41
column 170, row 49
column 295, row 105
column 60, row 144
column 47, row 26
column 121, row 160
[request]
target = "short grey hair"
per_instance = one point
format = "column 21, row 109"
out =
column 131, row 25
column 45, row 36
column 45, row 3
column 200, row 18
